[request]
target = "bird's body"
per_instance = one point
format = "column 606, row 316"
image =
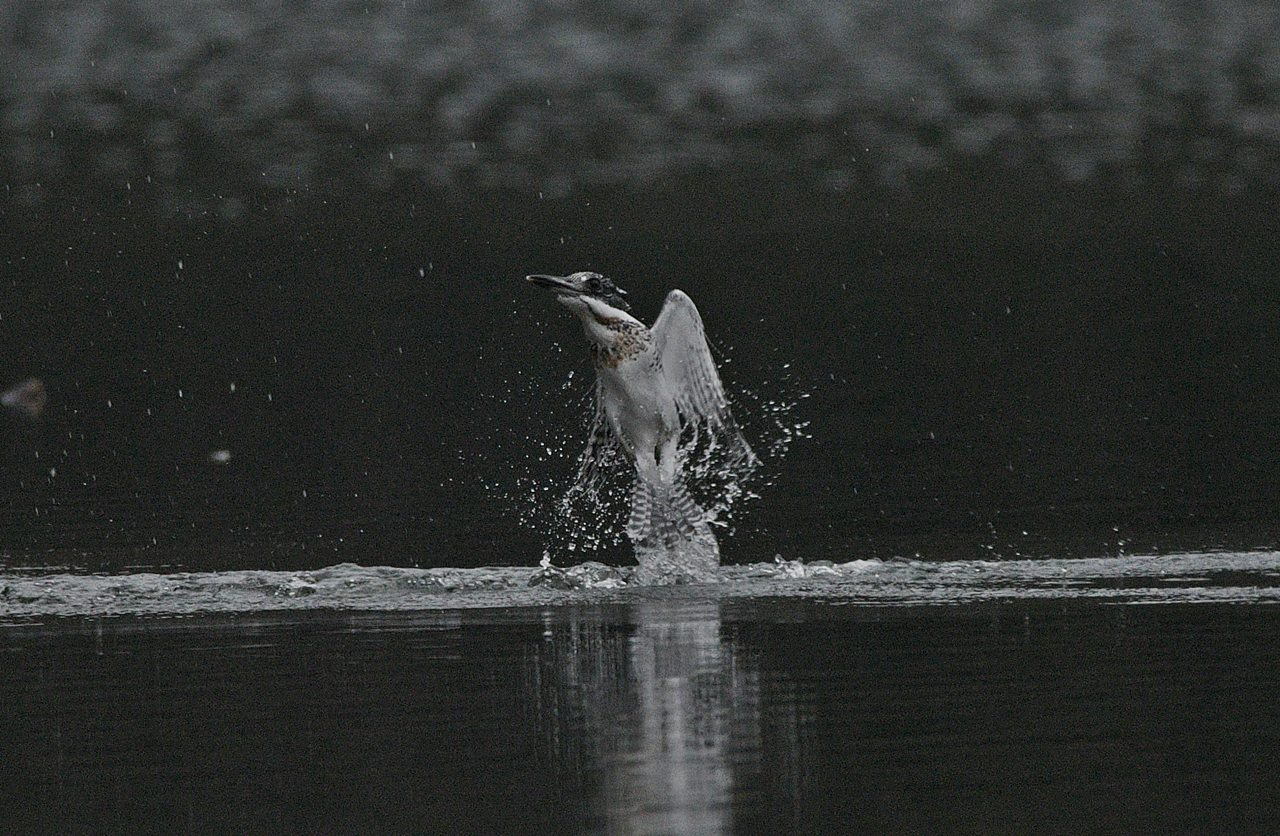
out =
column 638, row 406
column 651, row 384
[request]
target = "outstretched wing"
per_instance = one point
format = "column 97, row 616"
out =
column 690, row 370
column 602, row 449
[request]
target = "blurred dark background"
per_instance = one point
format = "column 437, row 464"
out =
column 1022, row 257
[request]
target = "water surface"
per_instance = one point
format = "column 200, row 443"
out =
column 667, row 710
column 1244, row 577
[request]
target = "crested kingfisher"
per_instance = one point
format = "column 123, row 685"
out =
column 651, row 385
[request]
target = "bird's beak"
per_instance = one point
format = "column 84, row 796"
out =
column 555, row 283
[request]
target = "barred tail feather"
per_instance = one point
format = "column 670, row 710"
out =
column 665, row 518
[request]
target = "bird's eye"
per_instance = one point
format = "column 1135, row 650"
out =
column 594, row 284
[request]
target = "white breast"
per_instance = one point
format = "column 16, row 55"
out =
column 637, row 404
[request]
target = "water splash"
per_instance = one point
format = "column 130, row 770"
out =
column 718, row 466
column 534, row 471
column 577, row 496
column 720, row 477
column 1191, row 578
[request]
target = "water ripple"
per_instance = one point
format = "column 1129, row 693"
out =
column 1248, row 577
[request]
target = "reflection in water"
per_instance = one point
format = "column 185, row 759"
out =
column 671, row 772
column 659, row 726
column 650, row 716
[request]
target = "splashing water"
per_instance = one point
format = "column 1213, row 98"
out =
column 546, row 475
column 718, row 466
column 720, row 477
column 1191, row 578
column 528, row 471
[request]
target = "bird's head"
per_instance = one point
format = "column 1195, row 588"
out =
column 574, row 290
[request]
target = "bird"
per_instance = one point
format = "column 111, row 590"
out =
column 653, row 385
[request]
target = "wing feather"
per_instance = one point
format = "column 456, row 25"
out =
column 601, row 450
column 690, row 370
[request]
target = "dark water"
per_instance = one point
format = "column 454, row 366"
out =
column 667, row 713
column 961, row 391
column 1116, row 694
